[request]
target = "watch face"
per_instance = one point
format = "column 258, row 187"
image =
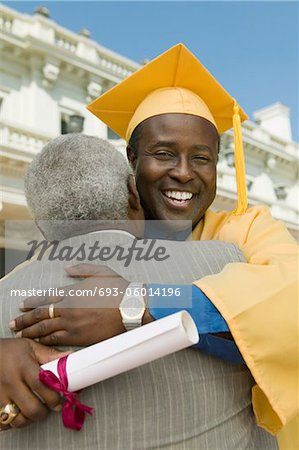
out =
column 132, row 307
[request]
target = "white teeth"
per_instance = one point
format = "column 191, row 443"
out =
column 178, row 195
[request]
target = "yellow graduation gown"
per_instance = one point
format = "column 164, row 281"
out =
column 259, row 302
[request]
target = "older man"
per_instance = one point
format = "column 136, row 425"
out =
column 174, row 407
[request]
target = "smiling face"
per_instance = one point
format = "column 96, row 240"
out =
column 175, row 166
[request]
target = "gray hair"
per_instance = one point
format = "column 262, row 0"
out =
column 78, row 177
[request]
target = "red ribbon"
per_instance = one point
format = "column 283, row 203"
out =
column 73, row 411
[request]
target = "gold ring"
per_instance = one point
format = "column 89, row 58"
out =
column 8, row 413
column 52, row 311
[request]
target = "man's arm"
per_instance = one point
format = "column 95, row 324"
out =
column 259, row 301
column 84, row 321
column 214, row 336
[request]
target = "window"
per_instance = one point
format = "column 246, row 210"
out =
column 71, row 123
column 64, row 121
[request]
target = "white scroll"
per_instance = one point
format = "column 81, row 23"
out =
column 128, row 350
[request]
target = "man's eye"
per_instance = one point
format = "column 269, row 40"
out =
column 201, row 158
column 163, row 155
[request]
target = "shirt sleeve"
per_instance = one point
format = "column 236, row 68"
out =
column 205, row 315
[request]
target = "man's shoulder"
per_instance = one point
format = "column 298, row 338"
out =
column 221, row 219
column 224, row 216
column 25, row 264
column 229, row 227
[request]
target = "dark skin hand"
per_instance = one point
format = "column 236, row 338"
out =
column 73, row 325
column 19, row 380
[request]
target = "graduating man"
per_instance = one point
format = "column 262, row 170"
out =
column 171, row 112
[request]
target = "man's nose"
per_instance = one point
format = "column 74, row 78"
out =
column 182, row 171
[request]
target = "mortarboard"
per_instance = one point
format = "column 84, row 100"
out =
column 174, row 82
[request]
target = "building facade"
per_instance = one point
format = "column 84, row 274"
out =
column 47, row 76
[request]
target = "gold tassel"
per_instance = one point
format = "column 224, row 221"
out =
column 239, row 164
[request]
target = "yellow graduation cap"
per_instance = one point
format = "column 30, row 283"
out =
column 174, row 82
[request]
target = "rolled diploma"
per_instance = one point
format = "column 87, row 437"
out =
column 128, row 350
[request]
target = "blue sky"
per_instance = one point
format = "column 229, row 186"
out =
column 250, row 47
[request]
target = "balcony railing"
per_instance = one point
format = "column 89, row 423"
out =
column 17, row 139
column 66, row 43
column 38, row 27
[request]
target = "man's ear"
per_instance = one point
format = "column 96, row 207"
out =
column 132, row 158
column 134, row 199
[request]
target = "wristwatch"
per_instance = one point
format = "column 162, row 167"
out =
column 132, row 306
